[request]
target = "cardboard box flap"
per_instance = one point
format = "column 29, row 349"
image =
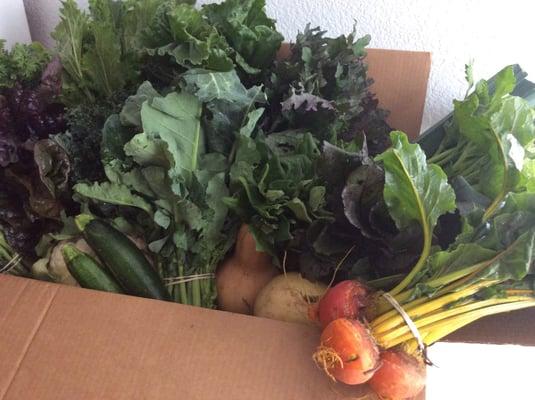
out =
column 400, row 83
column 23, row 308
column 59, row 342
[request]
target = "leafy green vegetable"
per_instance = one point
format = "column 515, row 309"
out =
column 166, row 172
column 113, row 194
column 486, row 140
column 323, row 87
column 92, row 50
column 415, row 193
column 181, row 34
column 24, row 63
column 276, row 190
column 175, row 120
column 230, row 106
column 248, row 30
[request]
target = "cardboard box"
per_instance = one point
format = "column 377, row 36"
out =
column 59, row 342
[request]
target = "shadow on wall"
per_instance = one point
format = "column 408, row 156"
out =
column 13, row 23
column 43, row 16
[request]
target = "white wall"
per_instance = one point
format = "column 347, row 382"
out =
column 492, row 33
column 13, row 23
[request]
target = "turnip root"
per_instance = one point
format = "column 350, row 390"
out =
column 288, row 298
column 241, row 276
column 40, row 269
column 57, row 268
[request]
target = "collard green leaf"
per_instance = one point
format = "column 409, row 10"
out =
column 147, row 151
column 231, row 106
column 252, row 118
column 175, row 120
column 131, row 112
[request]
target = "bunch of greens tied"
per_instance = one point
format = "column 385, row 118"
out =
column 193, row 103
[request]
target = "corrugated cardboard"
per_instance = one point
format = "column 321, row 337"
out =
column 59, row 342
column 400, row 82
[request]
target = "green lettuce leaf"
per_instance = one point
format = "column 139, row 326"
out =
column 249, row 31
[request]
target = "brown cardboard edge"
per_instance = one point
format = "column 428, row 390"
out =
column 400, row 82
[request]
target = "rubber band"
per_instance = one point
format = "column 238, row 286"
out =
column 11, row 264
column 411, row 325
column 177, row 280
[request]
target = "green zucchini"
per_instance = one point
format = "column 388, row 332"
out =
column 87, row 272
column 125, row 261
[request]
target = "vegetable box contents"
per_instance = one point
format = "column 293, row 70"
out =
column 159, row 140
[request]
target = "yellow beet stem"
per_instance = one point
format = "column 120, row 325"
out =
column 438, row 330
column 435, row 317
column 455, row 280
column 429, row 306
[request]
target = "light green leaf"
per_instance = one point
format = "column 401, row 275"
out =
column 131, row 112
column 146, row 150
column 299, row 209
column 209, row 85
column 133, row 179
column 69, row 34
column 112, row 193
column 252, row 119
column 102, row 61
column 162, row 219
column 414, row 191
column 175, row 119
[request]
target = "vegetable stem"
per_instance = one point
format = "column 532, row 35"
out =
column 403, row 330
column 182, row 286
column 503, row 191
column 419, row 265
column 196, row 293
column 443, row 157
column 438, row 330
column 421, row 309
